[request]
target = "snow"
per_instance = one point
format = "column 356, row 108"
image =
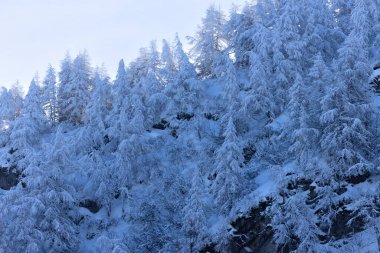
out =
column 216, row 224
column 213, row 89
column 280, row 122
column 362, row 242
column 374, row 74
column 267, row 184
column 248, row 250
column 376, row 102
column 2, row 192
column 160, row 192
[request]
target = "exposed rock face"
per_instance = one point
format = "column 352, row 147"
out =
column 8, row 178
column 252, row 232
column 185, row 116
column 91, row 205
column 162, row 125
column 209, row 249
column 211, row 116
column 249, row 152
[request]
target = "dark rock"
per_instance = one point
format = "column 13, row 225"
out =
column 312, row 197
column 345, row 223
column 212, row 176
column 300, row 183
column 106, row 139
column 12, row 150
column 79, row 220
column 211, row 116
column 253, row 232
column 248, row 152
column 342, row 189
column 174, row 133
column 357, row 179
column 185, row 116
column 375, row 83
column 209, row 249
column 376, row 66
column 8, row 178
column 162, row 125
column 90, row 235
column 91, row 205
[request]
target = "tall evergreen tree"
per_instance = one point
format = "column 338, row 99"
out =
column 194, row 223
column 28, row 127
column 238, row 30
column 347, row 134
column 259, row 99
column 209, row 43
column 32, row 121
column 75, row 88
column 185, row 68
column 287, row 49
column 8, row 109
column 342, row 10
column 168, row 68
column 182, row 91
column 98, row 109
column 227, row 185
column 321, row 33
column 50, row 95
column 62, row 92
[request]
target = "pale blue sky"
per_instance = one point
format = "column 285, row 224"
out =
column 35, row 33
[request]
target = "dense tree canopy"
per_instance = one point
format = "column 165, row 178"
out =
column 264, row 137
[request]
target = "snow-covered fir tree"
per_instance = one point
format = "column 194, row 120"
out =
column 29, row 126
column 209, row 43
column 50, row 95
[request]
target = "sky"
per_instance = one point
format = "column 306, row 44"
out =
column 36, row 33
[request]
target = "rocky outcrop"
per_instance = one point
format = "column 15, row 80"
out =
column 252, row 232
column 90, row 205
column 8, row 178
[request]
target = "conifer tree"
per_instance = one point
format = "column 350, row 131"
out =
column 185, row 68
column 194, row 223
column 287, row 49
column 227, row 185
column 342, row 10
column 76, row 92
column 98, row 109
column 50, row 95
column 239, row 29
column 209, row 43
column 347, row 135
column 168, row 68
column 17, row 94
column 320, row 33
column 31, row 123
column 182, row 90
column 8, row 109
column 65, row 77
column 259, row 99
column 120, row 87
column 121, row 103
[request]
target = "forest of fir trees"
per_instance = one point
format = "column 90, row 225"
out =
column 262, row 138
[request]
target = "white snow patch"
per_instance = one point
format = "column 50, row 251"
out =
column 376, row 101
column 266, row 183
column 279, row 122
column 214, row 89
column 216, row 224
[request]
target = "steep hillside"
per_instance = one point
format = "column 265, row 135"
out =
column 263, row 139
